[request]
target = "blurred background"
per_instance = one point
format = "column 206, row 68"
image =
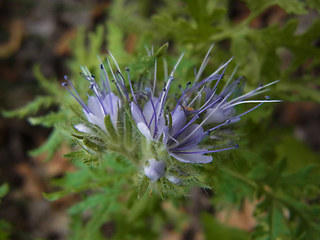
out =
column 269, row 42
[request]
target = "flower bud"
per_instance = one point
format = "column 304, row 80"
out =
column 154, row 169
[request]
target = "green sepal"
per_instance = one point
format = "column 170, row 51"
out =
column 128, row 129
column 110, row 128
column 78, row 136
column 163, row 49
column 92, row 145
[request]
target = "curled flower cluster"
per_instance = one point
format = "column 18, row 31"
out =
column 181, row 129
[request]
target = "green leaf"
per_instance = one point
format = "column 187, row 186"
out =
column 50, row 86
column 56, row 195
column 89, row 202
column 48, row 120
column 50, row 146
column 315, row 4
column 31, row 108
column 295, row 151
column 290, row 6
column 5, row 229
column 277, row 223
column 4, row 189
column 215, row 230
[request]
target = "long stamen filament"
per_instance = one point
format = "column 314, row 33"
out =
column 203, row 64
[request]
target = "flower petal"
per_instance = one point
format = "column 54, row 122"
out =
column 136, row 114
column 192, row 157
column 112, row 111
column 144, row 130
column 96, row 120
column 178, row 120
column 83, row 128
column 95, row 106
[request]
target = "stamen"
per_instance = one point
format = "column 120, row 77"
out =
column 203, row 64
column 114, row 60
column 99, row 99
column 107, row 82
column 79, row 100
column 153, row 116
column 119, row 78
column 194, row 118
column 119, row 91
column 165, row 68
column 230, row 78
column 223, row 66
column 221, row 75
column 253, row 92
column 73, row 88
column 154, row 77
column 182, row 95
column 198, row 95
column 164, row 96
column 214, row 110
column 175, row 66
column 222, row 124
column 210, row 151
column 252, row 101
column 134, row 96
column 186, row 146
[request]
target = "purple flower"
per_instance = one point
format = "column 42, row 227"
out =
column 182, row 140
column 149, row 121
column 198, row 113
column 103, row 103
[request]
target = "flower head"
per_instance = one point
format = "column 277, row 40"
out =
column 198, row 113
column 182, row 129
column 104, row 102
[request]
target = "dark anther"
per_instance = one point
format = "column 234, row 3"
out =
column 64, row 84
column 93, row 76
column 189, row 83
column 236, row 146
column 127, row 69
column 66, row 77
column 101, row 66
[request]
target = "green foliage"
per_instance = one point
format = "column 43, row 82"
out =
column 5, row 227
column 290, row 6
column 4, row 189
column 215, row 230
column 271, row 166
column 31, row 108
